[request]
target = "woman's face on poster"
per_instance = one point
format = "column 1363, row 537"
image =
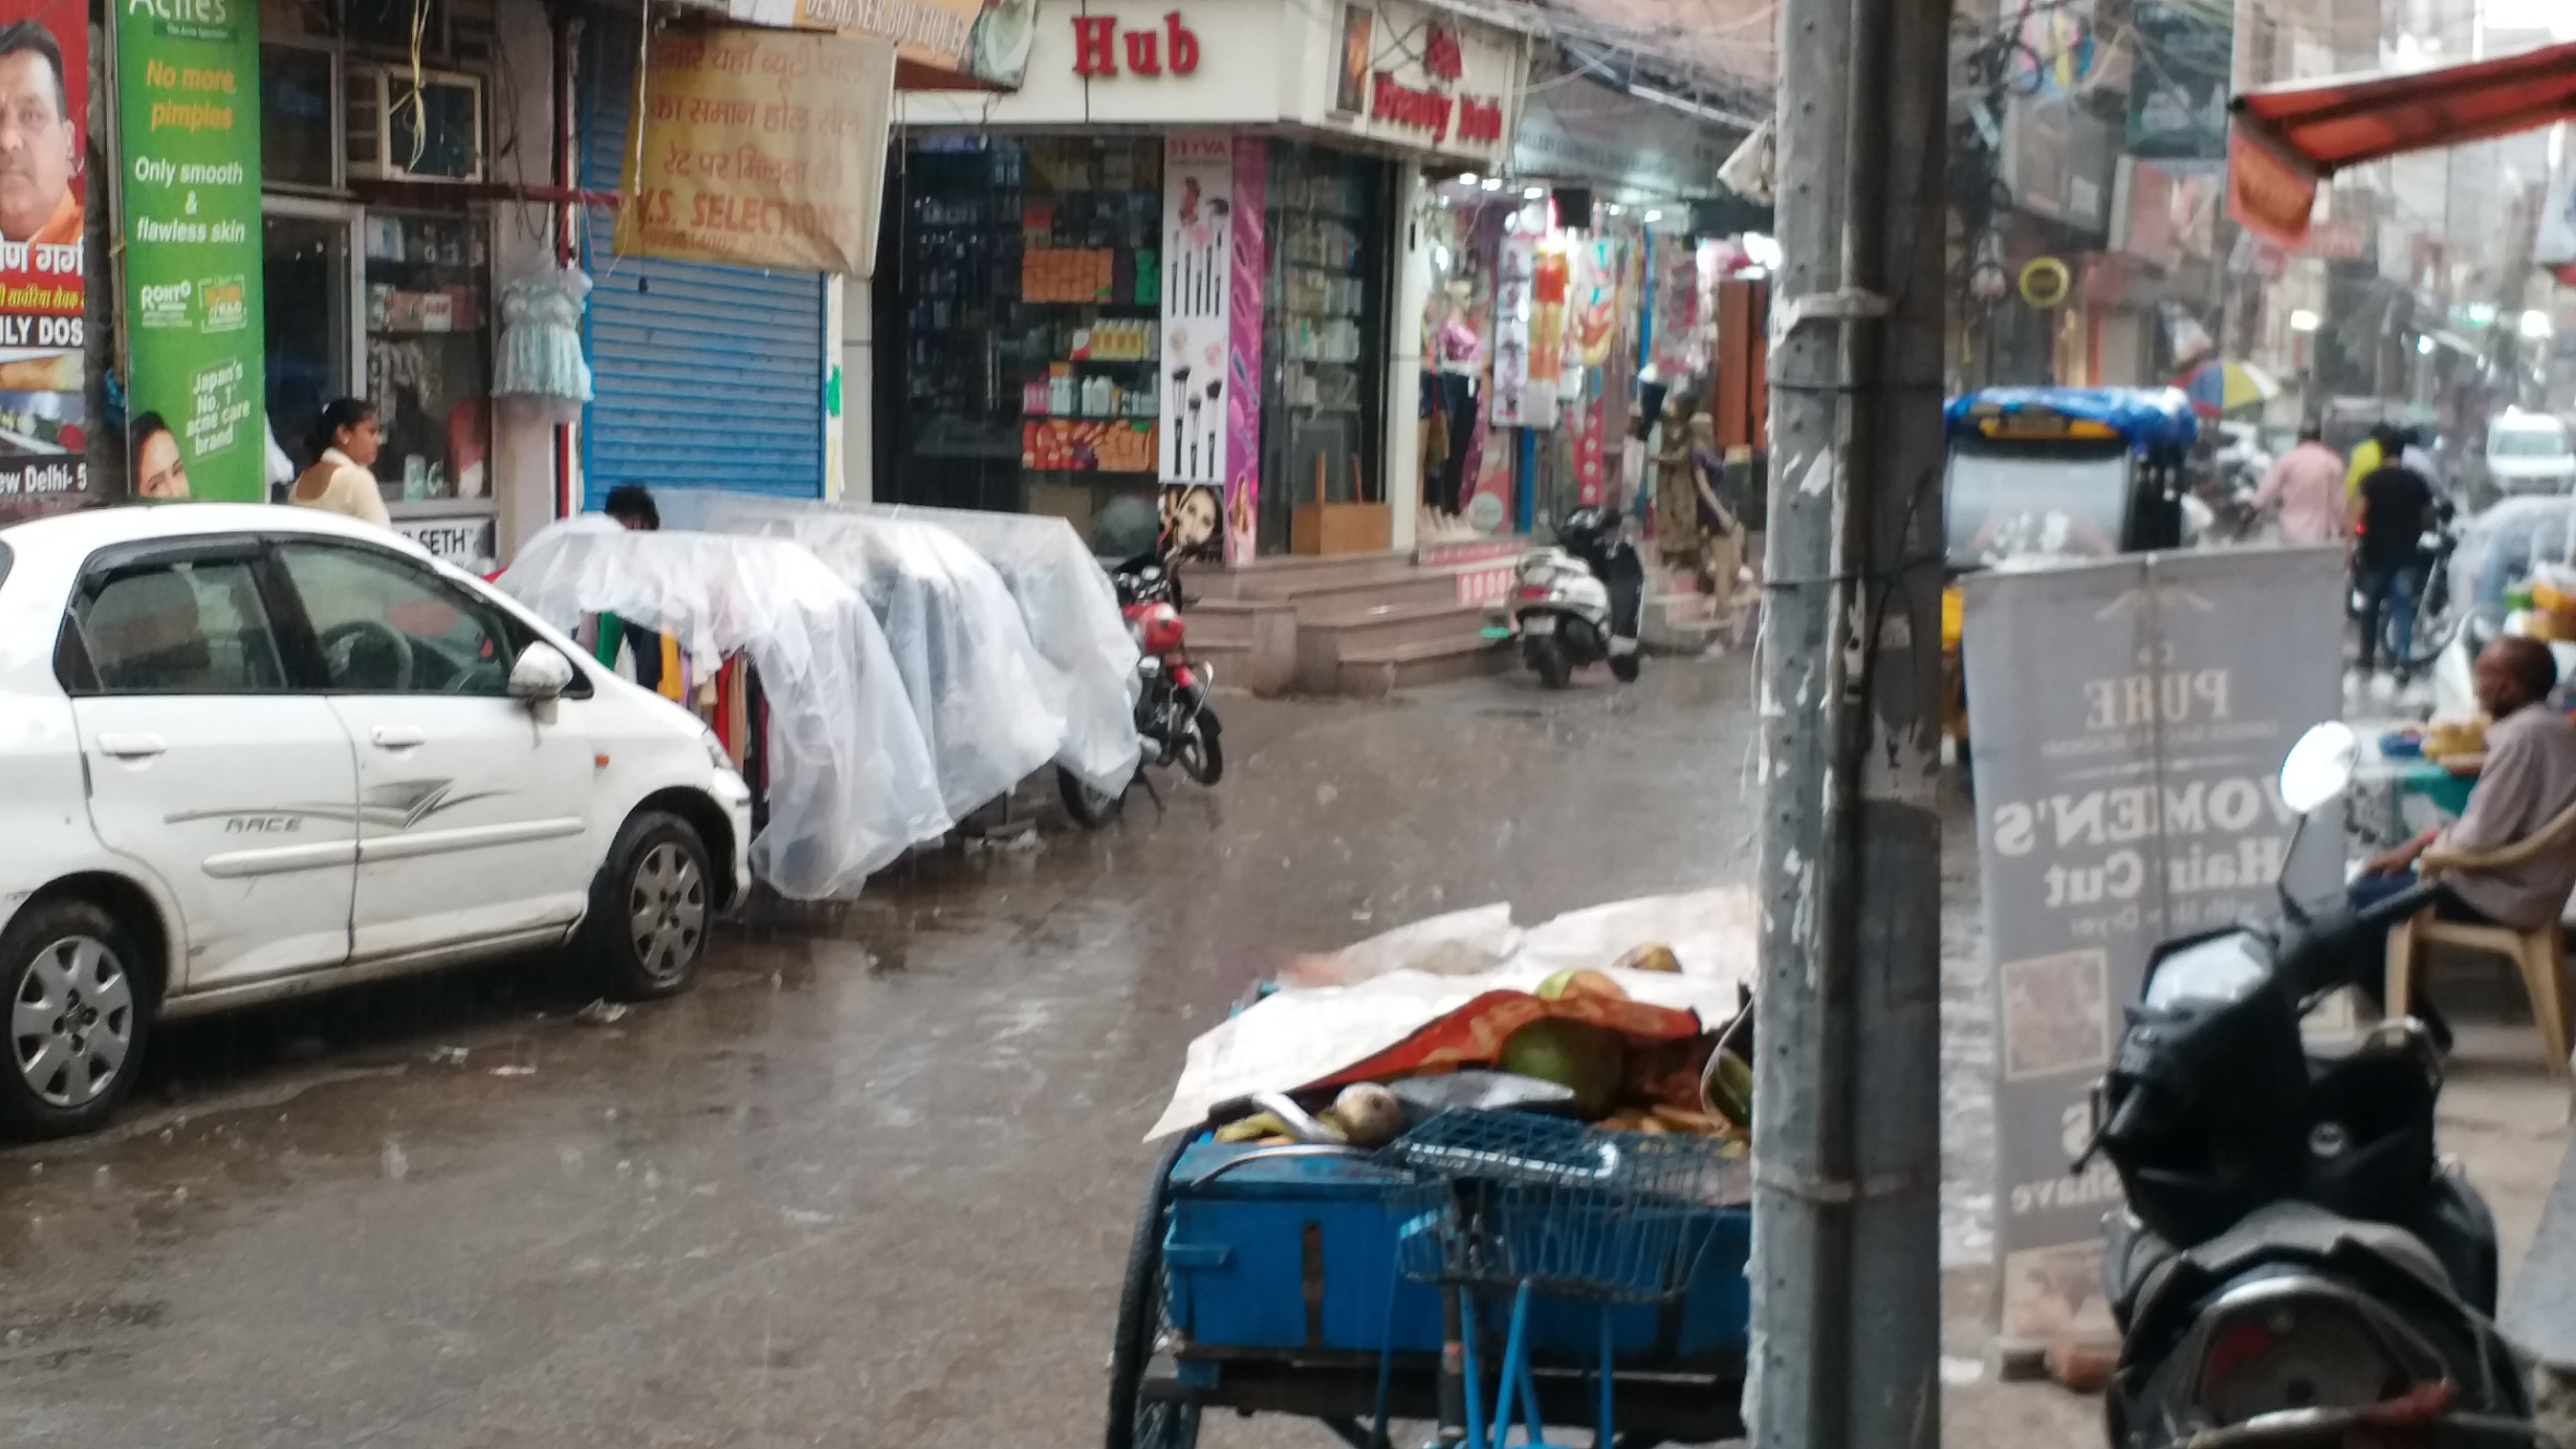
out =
column 159, row 471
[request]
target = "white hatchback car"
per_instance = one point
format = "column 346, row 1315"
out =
column 248, row 752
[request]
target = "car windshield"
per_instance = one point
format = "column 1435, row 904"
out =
column 2028, row 502
column 2529, row 443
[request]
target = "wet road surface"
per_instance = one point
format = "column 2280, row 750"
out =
column 871, row 1184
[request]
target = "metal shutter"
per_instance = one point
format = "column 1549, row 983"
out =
column 702, row 376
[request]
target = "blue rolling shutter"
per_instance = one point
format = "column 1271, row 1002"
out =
column 702, row 376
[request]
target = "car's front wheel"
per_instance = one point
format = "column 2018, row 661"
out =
column 650, row 908
column 79, row 1015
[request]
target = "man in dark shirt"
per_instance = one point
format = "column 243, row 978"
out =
column 2389, row 514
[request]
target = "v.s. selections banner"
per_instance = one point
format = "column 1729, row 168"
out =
column 44, row 84
column 762, row 148
column 187, row 74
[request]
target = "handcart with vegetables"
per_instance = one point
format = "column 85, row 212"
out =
column 1543, row 1222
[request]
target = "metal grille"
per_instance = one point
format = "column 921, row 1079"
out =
column 1506, row 1198
column 703, row 376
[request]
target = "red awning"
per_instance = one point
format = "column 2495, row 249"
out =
column 2286, row 137
column 2338, row 123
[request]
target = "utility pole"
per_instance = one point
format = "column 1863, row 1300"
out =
column 1847, row 1133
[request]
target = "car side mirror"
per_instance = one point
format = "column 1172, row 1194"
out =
column 541, row 675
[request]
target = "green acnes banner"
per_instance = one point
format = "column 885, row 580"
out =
column 187, row 74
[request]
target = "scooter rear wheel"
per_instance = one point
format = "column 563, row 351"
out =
column 1547, row 659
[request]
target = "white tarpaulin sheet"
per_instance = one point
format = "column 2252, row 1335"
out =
column 1063, row 596
column 850, row 778
column 1072, row 616
column 1392, row 985
column 992, row 709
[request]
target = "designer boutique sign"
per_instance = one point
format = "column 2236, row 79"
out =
column 762, row 148
column 2129, row 720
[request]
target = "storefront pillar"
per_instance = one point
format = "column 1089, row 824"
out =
column 1402, row 467
column 858, row 478
column 1525, row 481
column 835, row 383
column 526, row 241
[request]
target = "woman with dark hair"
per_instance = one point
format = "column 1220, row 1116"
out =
column 159, row 471
column 344, row 441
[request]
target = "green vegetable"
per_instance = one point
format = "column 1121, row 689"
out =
column 1585, row 1059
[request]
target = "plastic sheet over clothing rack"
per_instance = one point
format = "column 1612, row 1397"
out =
column 1084, row 659
column 991, row 708
column 851, row 780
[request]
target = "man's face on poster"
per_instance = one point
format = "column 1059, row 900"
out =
column 36, row 144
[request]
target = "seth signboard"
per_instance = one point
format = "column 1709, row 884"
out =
column 2129, row 728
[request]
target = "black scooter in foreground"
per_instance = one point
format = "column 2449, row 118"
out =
column 2295, row 1265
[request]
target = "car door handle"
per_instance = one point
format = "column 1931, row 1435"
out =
column 400, row 737
column 132, row 746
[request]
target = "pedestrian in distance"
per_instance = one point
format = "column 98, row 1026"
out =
column 2305, row 488
column 2390, row 512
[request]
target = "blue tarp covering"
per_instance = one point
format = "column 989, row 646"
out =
column 2147, row 417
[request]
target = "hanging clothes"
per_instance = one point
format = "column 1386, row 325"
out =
column 540, row 352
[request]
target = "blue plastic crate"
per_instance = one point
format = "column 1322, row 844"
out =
column 1300, row 1253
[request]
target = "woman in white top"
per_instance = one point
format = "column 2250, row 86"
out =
column 346, row 440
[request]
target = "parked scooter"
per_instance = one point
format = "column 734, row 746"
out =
column 2294, row 1264
column 1174, row 723
column 1579, row 602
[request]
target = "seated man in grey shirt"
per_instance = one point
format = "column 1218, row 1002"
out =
column 2528, row 780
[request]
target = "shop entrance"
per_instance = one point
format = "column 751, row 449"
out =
column 310, row 312
column 1019, row 323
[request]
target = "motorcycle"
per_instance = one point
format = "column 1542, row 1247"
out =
column 1174, row 723
column 1580, row 601
column 2294, row 1264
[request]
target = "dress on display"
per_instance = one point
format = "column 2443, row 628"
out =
column 541, row 352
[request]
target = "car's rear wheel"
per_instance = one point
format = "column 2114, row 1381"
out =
column 650, row 909
column 80, row 1013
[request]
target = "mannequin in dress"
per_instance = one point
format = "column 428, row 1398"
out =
column 1456, row 355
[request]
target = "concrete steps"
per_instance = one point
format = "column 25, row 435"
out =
column 1382, row 671
column 1362, row 623
column 1252, row 642
column 1330, row 599
column 1273, row 578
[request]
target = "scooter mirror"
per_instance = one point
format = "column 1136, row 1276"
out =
column 2319, row 766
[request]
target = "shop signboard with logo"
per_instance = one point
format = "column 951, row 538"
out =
column 43, row 408
column 2129, row 730
column 1424, row 79
column 1129, row 62
column 1397, row 74
column 188, row 125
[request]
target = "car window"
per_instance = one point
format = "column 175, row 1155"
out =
column 386, row 626
column 193, row 627
column 2529, row 443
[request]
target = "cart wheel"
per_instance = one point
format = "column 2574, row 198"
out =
column 1136, row 1422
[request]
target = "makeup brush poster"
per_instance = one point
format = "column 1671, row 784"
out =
column 1198, row 235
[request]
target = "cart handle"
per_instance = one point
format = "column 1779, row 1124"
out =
column 1269, row 1154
